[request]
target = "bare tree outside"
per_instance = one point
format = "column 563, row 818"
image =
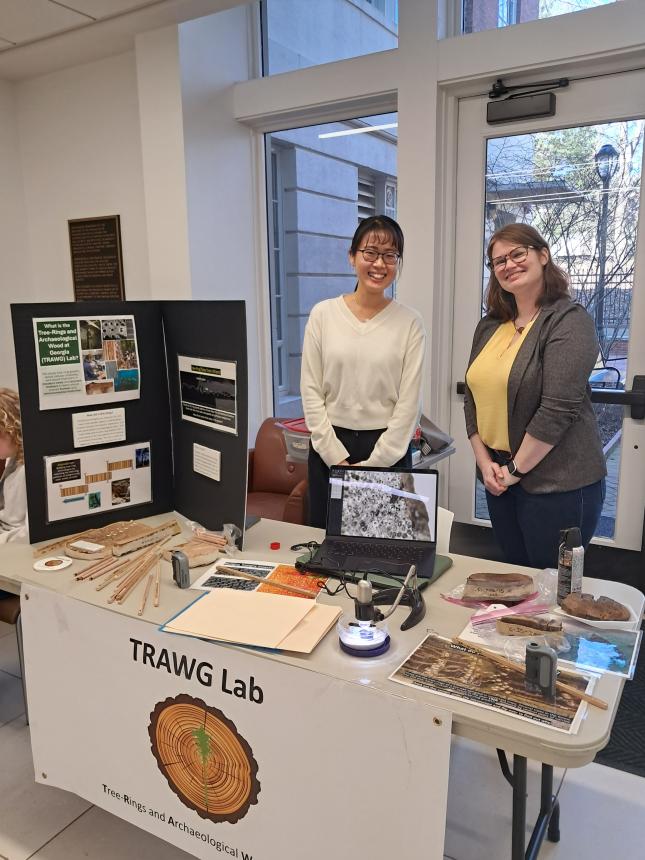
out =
column 580, row 187
column 550, row 8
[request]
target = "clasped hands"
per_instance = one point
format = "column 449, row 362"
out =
column 497, row 478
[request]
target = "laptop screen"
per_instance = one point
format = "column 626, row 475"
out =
column 396, row 504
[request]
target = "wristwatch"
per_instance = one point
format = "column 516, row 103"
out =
column 514, row 471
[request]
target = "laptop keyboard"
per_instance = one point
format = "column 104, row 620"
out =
column 373, row 550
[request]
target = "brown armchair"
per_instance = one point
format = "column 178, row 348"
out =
column 276, row 488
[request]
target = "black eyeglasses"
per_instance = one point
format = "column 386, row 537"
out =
column 371, row 255
column 517, row 255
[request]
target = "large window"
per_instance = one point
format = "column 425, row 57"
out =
column 321, row 180
column 580, row 187
column 301, row 33
column 490, row 14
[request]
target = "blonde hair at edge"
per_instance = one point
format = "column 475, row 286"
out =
column 10, row 420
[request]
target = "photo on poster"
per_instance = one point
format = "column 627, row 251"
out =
column 142, row 458
column 446, row 668
column 83, row 360
column 93, row 482
column 208, row 392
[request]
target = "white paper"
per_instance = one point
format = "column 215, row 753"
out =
column 206, row 461
column 98, row 427
column 93, row 482
column 208, row 391
column 85, row 361
column 87, row 545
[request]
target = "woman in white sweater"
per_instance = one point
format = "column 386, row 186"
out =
column 362, row 362
column 13, row 493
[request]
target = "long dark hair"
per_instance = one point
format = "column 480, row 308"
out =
column 500, row 304
column 378, row 224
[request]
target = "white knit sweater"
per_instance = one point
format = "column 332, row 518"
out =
column 13, row 503
column 362, row 376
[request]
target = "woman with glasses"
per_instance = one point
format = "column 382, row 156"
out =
column 362, row 361
column 528, row 409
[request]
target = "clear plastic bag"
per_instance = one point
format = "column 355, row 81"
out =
column 483, row 631
column 543, row 598
column 224, row 540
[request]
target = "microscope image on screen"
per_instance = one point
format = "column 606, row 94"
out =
column 387, row 505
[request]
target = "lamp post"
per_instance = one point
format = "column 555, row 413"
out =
column 606, row 165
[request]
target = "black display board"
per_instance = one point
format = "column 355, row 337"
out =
column 213, row 331
column 210, row 330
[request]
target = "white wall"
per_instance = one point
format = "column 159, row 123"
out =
column 214, row 54
column 15, row 278
column 162, row 150
column 81, row 156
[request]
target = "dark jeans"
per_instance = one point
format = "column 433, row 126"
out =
column 360, row 444
column 527, row 525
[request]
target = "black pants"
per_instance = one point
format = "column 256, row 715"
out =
column 360, row 444
column 527, row 525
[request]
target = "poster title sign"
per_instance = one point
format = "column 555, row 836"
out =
column 208, row 752
column 86, row 361
column 57, row 342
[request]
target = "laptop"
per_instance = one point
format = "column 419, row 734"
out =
column 379, row 521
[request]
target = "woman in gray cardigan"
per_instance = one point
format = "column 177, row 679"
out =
column 528, row 409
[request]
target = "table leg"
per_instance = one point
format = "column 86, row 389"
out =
column 519, row 807
column 21, row 661
column 548, row 820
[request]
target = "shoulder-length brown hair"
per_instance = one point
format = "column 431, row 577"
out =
column 500, row 304
column 10, row 420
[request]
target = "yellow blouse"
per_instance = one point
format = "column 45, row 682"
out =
column 487, row 378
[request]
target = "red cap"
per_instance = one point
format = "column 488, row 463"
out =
column 274, row 544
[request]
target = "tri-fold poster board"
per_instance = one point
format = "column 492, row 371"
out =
column 132, row 405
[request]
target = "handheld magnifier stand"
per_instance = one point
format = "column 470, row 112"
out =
column 407, row 595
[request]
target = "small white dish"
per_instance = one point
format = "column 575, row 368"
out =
column 55, row 562
column 617, row 591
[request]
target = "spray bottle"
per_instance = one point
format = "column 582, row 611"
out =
column 571, row 556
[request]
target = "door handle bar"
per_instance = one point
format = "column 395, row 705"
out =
column 633, row 397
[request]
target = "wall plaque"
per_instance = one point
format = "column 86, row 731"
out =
column 97, row 261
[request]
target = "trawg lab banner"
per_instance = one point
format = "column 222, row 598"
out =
column 224, row 752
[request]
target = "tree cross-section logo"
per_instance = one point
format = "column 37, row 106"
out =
column 207, row 763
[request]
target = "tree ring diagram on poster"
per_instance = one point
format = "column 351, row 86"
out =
column 93, row 482
column 208, row 392
column 207, row 763
column 84, row 361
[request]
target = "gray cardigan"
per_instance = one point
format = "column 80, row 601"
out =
column 549, row 396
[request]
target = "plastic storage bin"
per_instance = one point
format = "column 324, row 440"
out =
column 296, row 437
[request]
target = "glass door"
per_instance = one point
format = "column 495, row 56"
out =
column 576, row 177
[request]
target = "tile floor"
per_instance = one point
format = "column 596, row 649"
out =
column 603, row 810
